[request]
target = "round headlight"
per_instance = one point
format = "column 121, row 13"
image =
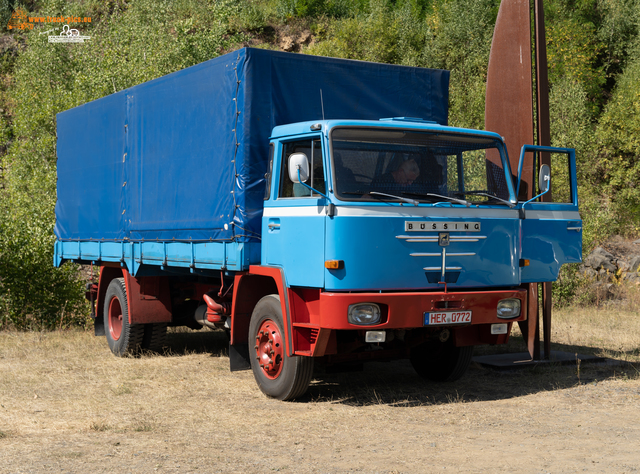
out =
column 364, row 314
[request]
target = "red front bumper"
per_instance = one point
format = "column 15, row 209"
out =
column 316, row 315
column 406, row 310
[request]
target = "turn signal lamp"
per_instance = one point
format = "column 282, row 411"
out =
column 509, row 308
column 334, row 264
column 364, row 314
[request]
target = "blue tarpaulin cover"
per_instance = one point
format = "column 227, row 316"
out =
column 179, row 157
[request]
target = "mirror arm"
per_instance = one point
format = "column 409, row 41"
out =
column 536, row 197
column 309, row 187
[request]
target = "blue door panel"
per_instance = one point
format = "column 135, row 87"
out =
column 548, row 244
column 551, row 231
column 296, row 243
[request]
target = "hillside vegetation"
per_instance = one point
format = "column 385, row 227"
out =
column 594, row 66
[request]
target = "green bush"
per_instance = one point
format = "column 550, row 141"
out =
column 618, row 134
column 573, row 287
column 453, row 35
column 311, row 8
column 372, row 36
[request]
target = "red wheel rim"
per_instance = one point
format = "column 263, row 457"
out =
column 269, row 349
column 115, row 319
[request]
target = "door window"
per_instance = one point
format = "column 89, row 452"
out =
column 313, row 151
column 561, row 191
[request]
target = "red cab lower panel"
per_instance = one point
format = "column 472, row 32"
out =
column 315, row 315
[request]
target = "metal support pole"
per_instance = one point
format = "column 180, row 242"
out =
column 544, row 139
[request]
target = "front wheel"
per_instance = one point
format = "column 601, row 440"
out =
column 278, row 375
column 123, row 338
column 441, row 361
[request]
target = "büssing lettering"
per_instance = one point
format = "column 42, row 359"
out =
column 450, row 226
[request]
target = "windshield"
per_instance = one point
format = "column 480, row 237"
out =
column 425, row 166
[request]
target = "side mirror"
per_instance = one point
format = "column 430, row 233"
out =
column 544, row 178
column 298, row 161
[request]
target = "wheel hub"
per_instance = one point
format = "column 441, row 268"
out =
column 269, row 349
column 115, row 319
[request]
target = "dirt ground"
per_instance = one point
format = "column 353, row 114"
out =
column 68, row 405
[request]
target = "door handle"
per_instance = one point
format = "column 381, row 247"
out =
column 274, row 224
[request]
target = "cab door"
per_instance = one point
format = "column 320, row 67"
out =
column 293, row 223
column 551, row 226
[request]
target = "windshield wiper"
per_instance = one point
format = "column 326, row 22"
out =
column 492, row 196
column 410, row 201
column 448, row 198
column 376, row 194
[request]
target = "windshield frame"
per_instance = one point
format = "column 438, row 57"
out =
column 439, row 131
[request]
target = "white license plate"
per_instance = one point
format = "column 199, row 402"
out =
column 447, row 317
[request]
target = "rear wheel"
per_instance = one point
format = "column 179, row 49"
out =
column 441, row 361
column 278, row 375
column 123, row 338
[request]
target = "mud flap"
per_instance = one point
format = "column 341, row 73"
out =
column 98, row 327
column 239, row 357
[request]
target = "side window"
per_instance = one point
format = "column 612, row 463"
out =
column 313, row 151
column 267, row 189
column 561, row 190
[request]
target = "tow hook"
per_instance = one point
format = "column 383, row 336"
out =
column 444, row 335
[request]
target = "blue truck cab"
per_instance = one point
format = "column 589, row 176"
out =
column 457, row 221
column 310, row 226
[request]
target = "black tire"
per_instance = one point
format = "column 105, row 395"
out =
column 154, row 337
column 441, row 361
column 123, row 338
column 278, row 375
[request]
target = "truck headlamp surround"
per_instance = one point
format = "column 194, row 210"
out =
column 364, row 314
column 509, row 308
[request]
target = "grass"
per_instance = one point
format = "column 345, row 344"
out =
column 608, row 331
column 64, row 393
column 99, row 426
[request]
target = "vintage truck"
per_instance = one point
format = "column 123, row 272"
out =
column 295, row 202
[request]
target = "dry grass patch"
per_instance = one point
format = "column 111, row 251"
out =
column 66, row 395
column 608, row 331
column 99, row 426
